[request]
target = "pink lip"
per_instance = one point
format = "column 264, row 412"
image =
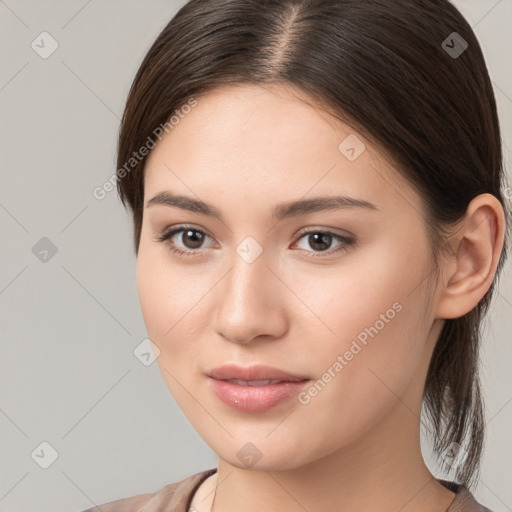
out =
column 258, row 398
column 256, row 372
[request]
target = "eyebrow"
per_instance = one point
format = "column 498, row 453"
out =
column 281, row 211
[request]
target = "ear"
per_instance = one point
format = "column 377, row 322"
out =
column 477, row 245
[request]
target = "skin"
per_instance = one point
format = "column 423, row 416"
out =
column 355, row 445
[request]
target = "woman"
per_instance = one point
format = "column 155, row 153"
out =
column 319, row 222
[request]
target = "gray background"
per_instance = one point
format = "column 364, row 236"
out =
column 70, row 324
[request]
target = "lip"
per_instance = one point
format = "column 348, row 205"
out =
column 254, row 398
column 256, row 372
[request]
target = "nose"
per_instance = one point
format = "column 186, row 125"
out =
column 251, row 301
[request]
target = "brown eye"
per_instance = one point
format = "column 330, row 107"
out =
column 321, row 241
column 191, row 240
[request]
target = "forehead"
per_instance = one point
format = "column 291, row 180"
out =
column 268, row 145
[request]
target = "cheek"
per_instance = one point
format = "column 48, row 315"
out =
column 171, row 300
column 168, row 299
column 375, row 319
column 353, row 296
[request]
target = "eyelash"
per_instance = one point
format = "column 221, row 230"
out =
column 167, row 235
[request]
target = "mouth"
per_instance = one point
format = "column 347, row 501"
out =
column 254, row 389
column 253, row 382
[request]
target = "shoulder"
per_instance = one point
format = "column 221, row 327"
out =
column 464, row 500
column 175, row 496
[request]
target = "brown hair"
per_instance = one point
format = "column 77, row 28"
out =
column 384, row 67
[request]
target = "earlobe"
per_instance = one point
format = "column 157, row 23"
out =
column 477, row 247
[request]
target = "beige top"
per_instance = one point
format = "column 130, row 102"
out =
column 177, row 497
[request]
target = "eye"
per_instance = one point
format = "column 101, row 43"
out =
column 193, row 237
column 322, row 240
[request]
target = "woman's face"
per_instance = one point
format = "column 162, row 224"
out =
column 271, row 284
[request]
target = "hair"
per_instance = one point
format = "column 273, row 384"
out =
column 381, row 67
